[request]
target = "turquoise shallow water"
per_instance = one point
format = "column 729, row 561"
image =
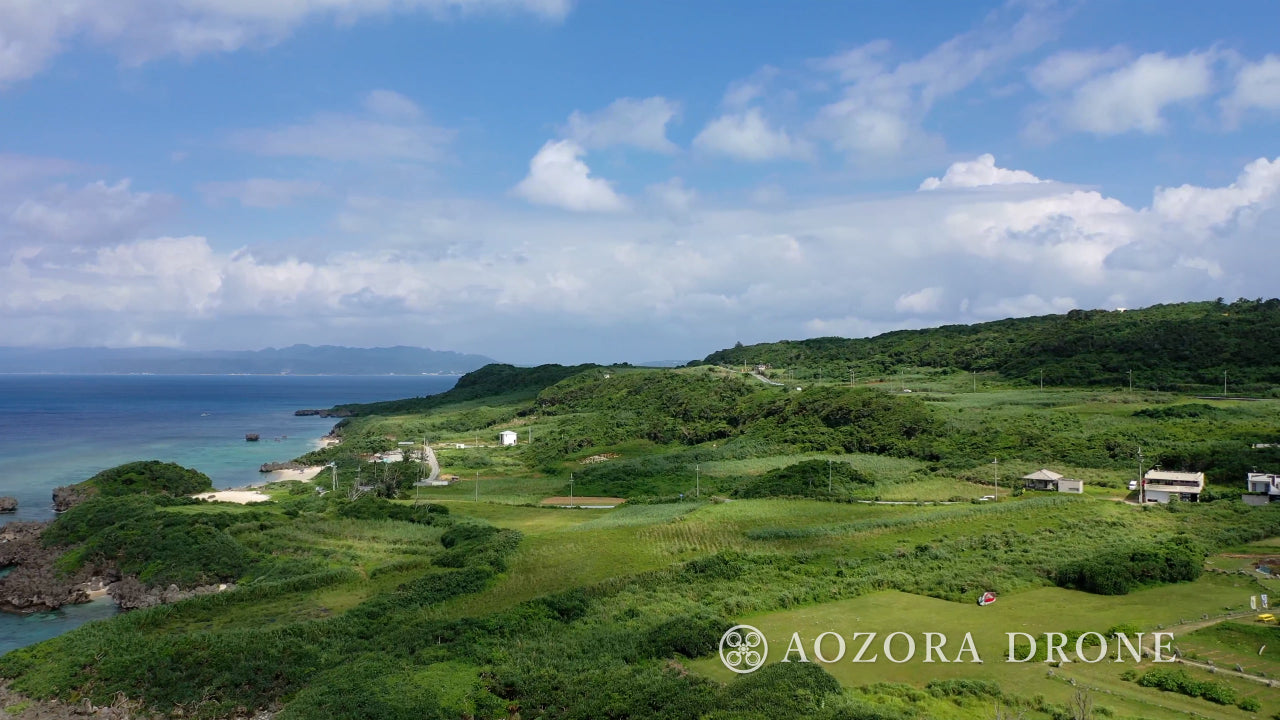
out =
column 57, row 430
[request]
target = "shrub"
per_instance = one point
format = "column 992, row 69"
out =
column 809, row 477
column 150, row 476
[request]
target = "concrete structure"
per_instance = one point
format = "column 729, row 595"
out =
column 508, row 437
column 1264, row 487
column 1163, row 485
column 1043, row 479
column 1071, row 486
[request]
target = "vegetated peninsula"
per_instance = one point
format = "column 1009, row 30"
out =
column 292, row 360
column 781, row 495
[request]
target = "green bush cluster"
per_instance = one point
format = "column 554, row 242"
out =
column 132, row 534
column 1120, row 570
column 1177, row 680
column 812, row 478
column 149, row 476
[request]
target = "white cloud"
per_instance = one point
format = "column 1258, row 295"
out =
column 748, row 136
column 1257, row 87
column 627, row 121
column 391, row 128
column 389, row 103
column 1133, row 97
column 742, row 93
column 531, row 286
column 1068, row 69
column 924, row 301
column 673, row 196
column 33, row 32
column 1198, row 210
column 95, row 213
column 976, row 173
column 261, row 192
column 882, row 105
column 559, row 177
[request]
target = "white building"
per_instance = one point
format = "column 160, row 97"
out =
column 1266, row 486
column 508, row 437
column 1163, row 485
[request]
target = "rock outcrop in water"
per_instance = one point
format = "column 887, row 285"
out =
column 34, row 584
column 273, row 466
column 68, row 496
column 8, row 504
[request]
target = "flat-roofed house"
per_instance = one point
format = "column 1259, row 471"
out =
column 507, row 437
column 1164, row 485
column 1263, row 488
column 1068, row 485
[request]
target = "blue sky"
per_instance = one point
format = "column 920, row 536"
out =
column 549, row 180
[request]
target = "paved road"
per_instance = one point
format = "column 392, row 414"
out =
column 433, row 462
column 765, row 380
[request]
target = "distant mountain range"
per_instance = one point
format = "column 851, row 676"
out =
column 293, row 360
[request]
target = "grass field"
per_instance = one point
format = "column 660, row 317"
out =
column 1034, row 612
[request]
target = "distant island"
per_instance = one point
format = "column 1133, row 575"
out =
column 292, row 360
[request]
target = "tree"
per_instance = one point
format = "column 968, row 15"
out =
column 1082, row 705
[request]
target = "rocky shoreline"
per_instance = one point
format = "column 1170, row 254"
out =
column 35, row 584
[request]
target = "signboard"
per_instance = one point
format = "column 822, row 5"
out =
column 1264, row 601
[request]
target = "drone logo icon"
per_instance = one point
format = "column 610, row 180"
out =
column 743, row 649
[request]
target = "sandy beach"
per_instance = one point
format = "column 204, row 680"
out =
column 235, row 496
column 306, row 474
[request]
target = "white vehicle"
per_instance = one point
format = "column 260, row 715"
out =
column 987, row 497
column 1133, row 484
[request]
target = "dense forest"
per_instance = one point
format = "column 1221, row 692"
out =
column 1181, row 347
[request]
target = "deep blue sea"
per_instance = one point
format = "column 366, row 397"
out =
column 61, row 429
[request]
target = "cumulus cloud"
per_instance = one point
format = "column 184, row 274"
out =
column 557, row 286
column 1257, row 87
column 626, row 121
column 32, row 32
column 673, row 196
column 558, row 177
column 749, row 136
column 1086, row 96
column 921, row 302
column 1198, row 210
column 390, row 128
column 95, row 213
column 976, row 173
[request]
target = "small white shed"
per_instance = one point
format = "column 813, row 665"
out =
column 508, row 437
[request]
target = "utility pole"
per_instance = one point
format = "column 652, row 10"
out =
column 1130, row 380
column 334, row 467
column 570, row 488
column 697, row 482
column 996, row 465
column 1142, row 483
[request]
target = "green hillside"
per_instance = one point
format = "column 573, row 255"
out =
column 1184, row 346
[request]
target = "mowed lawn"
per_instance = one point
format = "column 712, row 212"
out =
column 1034, row 612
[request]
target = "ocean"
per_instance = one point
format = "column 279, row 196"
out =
column 61, row 429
